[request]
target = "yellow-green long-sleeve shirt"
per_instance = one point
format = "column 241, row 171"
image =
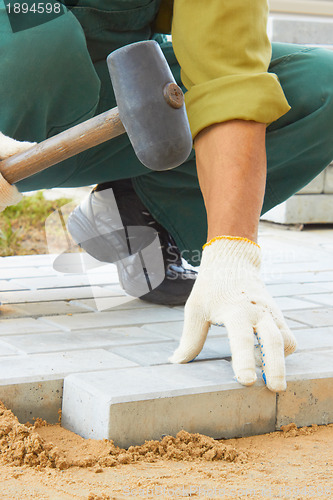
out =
column 221, row 45
column 224, row 53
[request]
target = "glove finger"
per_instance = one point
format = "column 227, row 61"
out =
column 289, row 340
column 240, row 333
column 194, row 335
column 272, row 353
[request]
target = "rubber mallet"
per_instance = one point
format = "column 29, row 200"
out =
column 150, row 109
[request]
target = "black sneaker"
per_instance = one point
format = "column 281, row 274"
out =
column 113, row 225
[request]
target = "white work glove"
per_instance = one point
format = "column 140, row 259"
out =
column 9, row 195
column 229, row 290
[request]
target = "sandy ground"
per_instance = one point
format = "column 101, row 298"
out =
column 44, row 461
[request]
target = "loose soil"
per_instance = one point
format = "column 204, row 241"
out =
column 40, row 461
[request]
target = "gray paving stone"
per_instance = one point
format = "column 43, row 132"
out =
column 279, row 268
column 321, row 298
column 10, row 311
column 6, row 285
column 133, row 334
column 120, row 302
column 34, row 400
column 67, row 281
column 199, row 397
column 312, row 339
column 308, row 398
column 8, row 350
column 27, row 261
column 158, row 353
column 45, row 295
column 293, row 325
column 26, row 272
column 306, row 402
column 324, row 278
column 42, row 309
column 290, row 289
column 25, row 325
column 310, row 365
column 79, row 340
column 289, row 303
column 312, row 317
column 146, row 354
column 114, row 318
column 174, row 330
column 328, row 285
column 56, row 365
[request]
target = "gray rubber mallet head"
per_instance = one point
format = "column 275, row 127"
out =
column 151, row 105
column 150, row 109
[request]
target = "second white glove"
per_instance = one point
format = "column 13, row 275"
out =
column 229, row 290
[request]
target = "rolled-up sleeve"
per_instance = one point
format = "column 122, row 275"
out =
column 224, row 53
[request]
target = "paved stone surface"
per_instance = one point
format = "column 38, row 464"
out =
column 80, row 343
column 199, row 397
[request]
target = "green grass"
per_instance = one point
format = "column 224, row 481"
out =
column 22, row 226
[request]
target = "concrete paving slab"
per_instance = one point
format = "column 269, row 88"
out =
column 277, row 268
column 174, row 331
column 114, row 318
column 324, row 278
column 67, row 281
column 309, row 365
column 7, row 285
column 11, row 311
column 199, row 397
column 158, row 354
column 313, row 317
column 110, row 302
column 8, row 350
column 312, row 339
column 293, row 325
column 27, row 260
column 320, row 298
column 308, row 398
column 300, row 289
column 36, row 309
column 306, row 403
column 69, row 293
column 57, row 365
column 289, row 303
column 31, row 400
column 26, row 272
column 25, row 325
column 80, row 340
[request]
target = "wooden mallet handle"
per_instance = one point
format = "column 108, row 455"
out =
column 58, row 148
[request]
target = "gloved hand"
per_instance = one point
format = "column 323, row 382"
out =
column 9, row 195
column 229, row 290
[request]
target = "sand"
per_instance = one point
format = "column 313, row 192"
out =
column 41, row 461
